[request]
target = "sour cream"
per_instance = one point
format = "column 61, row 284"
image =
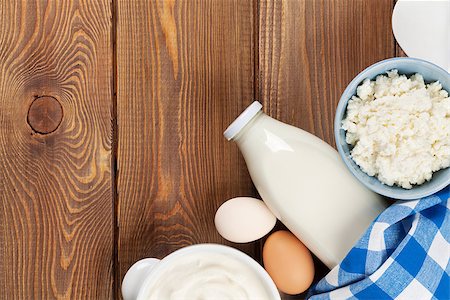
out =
column 204, row 275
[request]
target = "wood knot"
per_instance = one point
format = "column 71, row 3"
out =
column 45, row 114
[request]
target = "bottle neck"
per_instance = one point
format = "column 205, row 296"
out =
column 242, row 135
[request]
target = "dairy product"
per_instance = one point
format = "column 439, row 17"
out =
column 400, row 128
column 206, row 276
column 305, row 184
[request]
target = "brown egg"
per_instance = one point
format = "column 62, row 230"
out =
column 288, row 262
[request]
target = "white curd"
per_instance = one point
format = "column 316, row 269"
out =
column 400, row 128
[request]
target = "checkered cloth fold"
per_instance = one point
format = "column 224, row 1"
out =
column 403, row 255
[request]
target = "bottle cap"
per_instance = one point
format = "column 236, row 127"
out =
column 242, row 120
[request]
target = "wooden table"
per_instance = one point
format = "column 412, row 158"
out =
column 112, row 114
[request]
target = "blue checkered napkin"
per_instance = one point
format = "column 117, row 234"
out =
column 403, row 255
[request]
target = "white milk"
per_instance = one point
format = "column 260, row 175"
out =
column 305, row 184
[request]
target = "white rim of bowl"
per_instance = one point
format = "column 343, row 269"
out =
column 217, row 248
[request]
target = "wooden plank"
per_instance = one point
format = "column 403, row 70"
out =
column 399, row 51
column 311, row 49
column 185, row 71
column 56, row 206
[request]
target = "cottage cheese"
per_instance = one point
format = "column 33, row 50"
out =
column 400, row 128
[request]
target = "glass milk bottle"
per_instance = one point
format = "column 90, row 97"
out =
column 305, row 184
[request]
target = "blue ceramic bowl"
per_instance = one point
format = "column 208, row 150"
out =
column 408, row 66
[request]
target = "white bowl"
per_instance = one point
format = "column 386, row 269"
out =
column 139, row 277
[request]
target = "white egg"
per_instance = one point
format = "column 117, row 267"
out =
column 244, row 219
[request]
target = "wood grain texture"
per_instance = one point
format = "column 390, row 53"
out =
column 56, row 211
column 399, row 51
column 185, row 71
column 309, row 50
column 45, row 114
